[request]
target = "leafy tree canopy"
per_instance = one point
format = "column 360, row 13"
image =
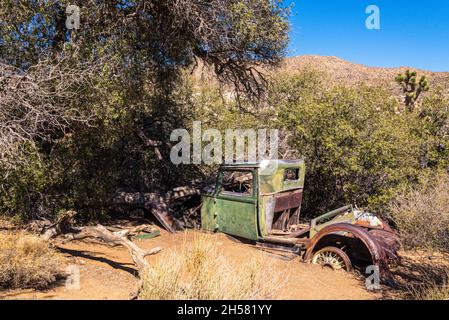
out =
column 152, row 39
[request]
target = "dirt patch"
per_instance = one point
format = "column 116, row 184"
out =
column 108, row 273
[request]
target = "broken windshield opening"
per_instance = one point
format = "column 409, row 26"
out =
column 237, row 182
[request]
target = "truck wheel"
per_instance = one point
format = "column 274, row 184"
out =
column 332, row 257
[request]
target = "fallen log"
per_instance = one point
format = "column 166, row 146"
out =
column 116, row 238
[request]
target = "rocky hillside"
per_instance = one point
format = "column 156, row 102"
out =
column 344, row 72
column 340, row 71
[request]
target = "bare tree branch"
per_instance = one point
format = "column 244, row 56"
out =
column 38, row 103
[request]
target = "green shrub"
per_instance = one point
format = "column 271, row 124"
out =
column 357, row 147
column 22, row 190
column 433, row 131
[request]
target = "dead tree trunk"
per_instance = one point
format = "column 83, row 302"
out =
column 158, row 203
column 64, row 226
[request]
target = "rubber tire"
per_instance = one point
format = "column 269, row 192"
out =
column 338, row 251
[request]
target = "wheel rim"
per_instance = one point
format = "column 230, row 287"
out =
column 330, row 259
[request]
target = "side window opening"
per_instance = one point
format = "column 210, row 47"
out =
column 291, row 174
column 238, row 182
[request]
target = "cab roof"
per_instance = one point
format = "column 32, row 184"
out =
column 272, row 174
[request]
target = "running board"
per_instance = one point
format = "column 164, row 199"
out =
column 281, row 240
column 277, row 247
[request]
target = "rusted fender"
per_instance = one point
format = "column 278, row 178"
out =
column 379, row 255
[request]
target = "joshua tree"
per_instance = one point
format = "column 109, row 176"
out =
column 412, row 89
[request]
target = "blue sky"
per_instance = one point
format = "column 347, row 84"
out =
column 412, row 33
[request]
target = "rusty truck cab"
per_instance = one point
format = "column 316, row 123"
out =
column 255, row 200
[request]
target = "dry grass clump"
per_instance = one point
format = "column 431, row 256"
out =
column 422, row 214
column 431, row 291
column 5, row 224
column 432, row 286
column 26, row 261
column 199, row 271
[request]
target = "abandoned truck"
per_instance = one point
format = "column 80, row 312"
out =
column 261, row 202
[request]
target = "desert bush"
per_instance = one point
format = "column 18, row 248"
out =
column 22, row 189
column 357, row 147
column 422, row 213
column 433, row 131
column 199, row 271
column 26, row 261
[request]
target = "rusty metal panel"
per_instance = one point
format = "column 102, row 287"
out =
column 288, row 200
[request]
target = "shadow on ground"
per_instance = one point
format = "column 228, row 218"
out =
column 88, row 255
